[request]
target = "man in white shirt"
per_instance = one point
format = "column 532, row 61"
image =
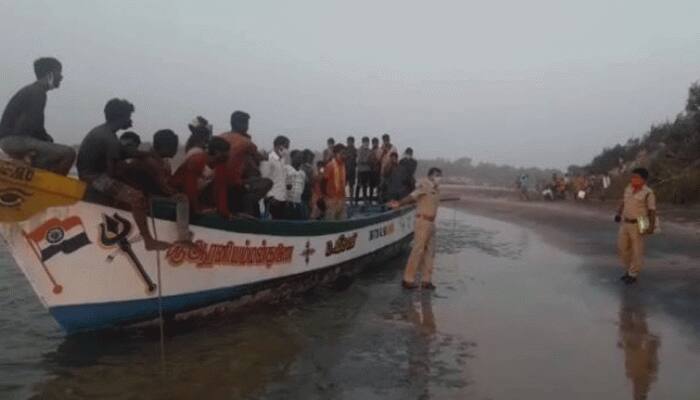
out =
column 275, row 170
column 296, row 181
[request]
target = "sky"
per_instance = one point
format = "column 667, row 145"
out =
column 527, row 83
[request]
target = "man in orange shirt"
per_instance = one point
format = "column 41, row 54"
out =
column 191, row 177
column 245, row 186
column 334, row 185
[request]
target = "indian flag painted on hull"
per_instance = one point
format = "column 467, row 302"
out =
column 59, row 236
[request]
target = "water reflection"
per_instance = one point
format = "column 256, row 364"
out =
column 638, row 344
column 225, row 361
column 420, row 313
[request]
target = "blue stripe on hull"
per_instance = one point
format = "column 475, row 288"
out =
column 88, row 317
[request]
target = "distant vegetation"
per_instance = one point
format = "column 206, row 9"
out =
column 671, row 151
column 486, row 174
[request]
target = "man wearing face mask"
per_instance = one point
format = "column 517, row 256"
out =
column 427, row 200
column 275, row 170
column 638, row 202
column 22, row 132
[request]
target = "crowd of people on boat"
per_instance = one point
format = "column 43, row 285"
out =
column 223, row 174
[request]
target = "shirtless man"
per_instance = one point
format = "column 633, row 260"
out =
column 22, row 132
column 98, row 157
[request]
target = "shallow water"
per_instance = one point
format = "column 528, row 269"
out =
column 512, row 317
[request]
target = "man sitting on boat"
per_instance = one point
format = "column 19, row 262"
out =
column 98, row 159
column 244, row 187
column 22, row 132
column 195, row 174
column 200, row 133
column 130, row 142
column 333, row 185
column 150, row 172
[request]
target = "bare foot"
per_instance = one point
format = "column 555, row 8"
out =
column 188, row 244
column 156, row 245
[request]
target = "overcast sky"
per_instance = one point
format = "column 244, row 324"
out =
column 544, row 83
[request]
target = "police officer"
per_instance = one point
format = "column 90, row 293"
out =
column 427, row 200
column 639, row 202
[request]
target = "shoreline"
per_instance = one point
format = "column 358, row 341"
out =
column 502, row 203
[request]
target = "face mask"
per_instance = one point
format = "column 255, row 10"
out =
column 437, row 179
column 407, row 156
column 637, row 182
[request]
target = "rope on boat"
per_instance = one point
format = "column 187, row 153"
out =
column 160, row 289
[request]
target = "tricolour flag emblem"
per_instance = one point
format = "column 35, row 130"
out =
column 59, row 236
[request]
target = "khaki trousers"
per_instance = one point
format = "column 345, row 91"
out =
column 423, row 252
column 630, row 247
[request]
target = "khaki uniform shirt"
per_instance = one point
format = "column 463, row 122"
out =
column 427, row 196
column 638, row 204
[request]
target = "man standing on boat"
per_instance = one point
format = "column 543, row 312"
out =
column 427, row 200
column 334, row 182
column 275, row 170
column 243, row 187
column 22, row 132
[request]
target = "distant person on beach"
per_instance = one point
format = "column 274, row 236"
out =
column 22, row 132
column 351, row 164
column 523, row 184
column 98, row 160
column 334, row 182
column 638, row 205
column 244, row 185
column 605, row 186
column 364, row 171
column 196, row 173
column 328, row 152
column 427, row 200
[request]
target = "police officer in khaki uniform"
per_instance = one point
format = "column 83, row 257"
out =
column 639, row 202
column 427, row 199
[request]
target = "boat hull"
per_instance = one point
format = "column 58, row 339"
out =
column 90, row 269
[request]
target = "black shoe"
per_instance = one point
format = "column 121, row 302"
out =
column 408, row 285
column 624, row 278
column 631, row 280
column 427, row 286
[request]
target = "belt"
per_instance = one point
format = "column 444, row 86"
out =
column 426, row 217
column 630, row 221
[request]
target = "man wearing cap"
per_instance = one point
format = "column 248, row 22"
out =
column 638, row 202
column 427, row 200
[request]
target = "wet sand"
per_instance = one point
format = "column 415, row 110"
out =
column 528, row 306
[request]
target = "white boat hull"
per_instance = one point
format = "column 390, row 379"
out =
column 83, row 260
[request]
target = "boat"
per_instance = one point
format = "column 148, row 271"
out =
column 88, row 266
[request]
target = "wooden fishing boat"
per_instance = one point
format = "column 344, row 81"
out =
column 90, row 269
